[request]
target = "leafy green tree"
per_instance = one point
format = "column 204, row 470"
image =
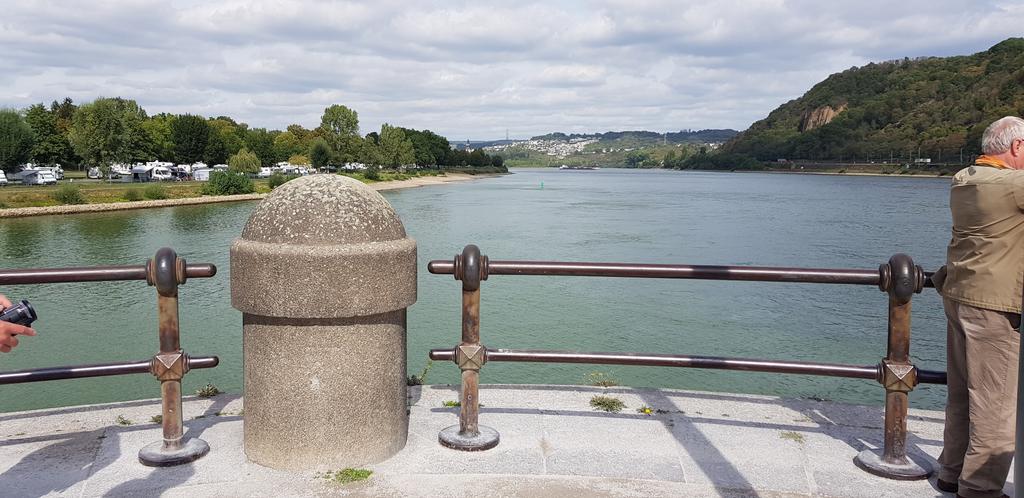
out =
column 339, row 125
column 395, row 149
column 109, row 130
column 287, row 144
column 63, row 114
column 244, row 162
column 430, row 148
column 158, row 128
column 260, row 142
column 369, row 151
column 298, row 160
column 635, row 157
column 320, row 154
column 216, row 151
column 479, row 158
column 15, row 140
column 230, row 133
column 51, row 146
column 190, row 135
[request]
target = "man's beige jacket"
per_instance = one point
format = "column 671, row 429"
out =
column 985, row 259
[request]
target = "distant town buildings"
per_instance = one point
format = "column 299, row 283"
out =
column 556, row 148
column 564, row 148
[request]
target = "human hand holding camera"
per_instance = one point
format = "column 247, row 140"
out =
column 14, row 321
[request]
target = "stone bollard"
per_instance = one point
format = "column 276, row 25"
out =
column 323, row 274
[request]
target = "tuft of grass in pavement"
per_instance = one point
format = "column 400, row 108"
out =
column 607, row 404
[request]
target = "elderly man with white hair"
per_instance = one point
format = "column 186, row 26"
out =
column 981, row 286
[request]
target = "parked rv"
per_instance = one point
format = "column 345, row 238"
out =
column 161, row 173
column 36, row 177
column 3, row 179
column 203, row 174
column 58, row 172
column 120, row 171
column 180, row 173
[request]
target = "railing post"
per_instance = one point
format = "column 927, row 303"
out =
column 470, row 355
column 166, row 271
column 1018, row 458
column 901, row 279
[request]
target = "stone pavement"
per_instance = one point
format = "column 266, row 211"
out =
column 553, row 444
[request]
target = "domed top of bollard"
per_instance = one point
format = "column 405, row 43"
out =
column 323, row 209
column 323, row 246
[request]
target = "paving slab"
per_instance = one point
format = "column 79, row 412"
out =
column 553, row 444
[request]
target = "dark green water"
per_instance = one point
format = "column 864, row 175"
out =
column 605, row 215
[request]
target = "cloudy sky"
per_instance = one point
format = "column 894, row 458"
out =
column 472, row 69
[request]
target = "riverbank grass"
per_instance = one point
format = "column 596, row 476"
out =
column 98, row 192
column 16, row 196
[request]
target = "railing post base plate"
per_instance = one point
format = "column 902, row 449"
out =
column 485, row 440
column 155, row 455
column 912, row 470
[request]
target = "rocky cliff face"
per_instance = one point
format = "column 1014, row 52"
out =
column 821, row 116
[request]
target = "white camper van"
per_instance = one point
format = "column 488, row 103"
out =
column 3, row 179
column 36, row 177
column 149, row 173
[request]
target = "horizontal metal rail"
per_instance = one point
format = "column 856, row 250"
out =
column 100, row 370
column 685, row 361
column 900, row 278
column 699, row 272
column 166, row 272
column 92, row 274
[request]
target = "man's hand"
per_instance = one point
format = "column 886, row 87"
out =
column 10, row 331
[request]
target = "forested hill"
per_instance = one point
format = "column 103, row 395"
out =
column 928, row 107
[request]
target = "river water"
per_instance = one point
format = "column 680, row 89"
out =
column 610, row 215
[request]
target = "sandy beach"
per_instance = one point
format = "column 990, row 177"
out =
column 421, row 181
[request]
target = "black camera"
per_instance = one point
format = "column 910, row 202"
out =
column 22, row 313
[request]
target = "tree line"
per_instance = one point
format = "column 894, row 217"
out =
column 116, row 130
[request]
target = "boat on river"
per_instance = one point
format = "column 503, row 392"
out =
column 578, row 167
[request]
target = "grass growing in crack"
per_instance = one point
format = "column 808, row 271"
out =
column 157, row 419
column 451, row 404
column 607, row 404
column 123, row 421
column 207, row 391
column 345, row 476
column 792, row 436
column 419, row 380
column 602, row 379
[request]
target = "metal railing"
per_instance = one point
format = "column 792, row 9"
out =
column 899, row 278
column 166, row 272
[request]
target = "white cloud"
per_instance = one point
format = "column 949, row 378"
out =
column 472, row 69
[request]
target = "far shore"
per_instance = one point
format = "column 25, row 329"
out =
column 915, row 174
column 420, row 181
column 848, row 173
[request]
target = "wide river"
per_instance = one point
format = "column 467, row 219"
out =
column 613, row 215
